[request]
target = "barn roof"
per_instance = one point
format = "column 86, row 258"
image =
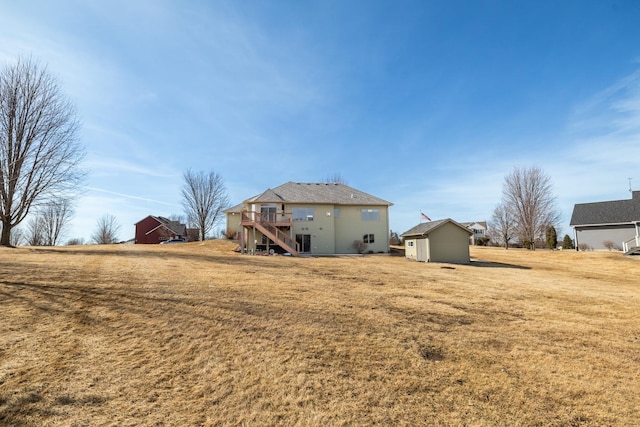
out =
column 611, row 212
column 427, row 227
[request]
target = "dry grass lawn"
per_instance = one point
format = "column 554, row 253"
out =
column 196, row 334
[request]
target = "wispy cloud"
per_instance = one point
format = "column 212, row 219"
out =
column 126, row 168
column 604, row 141
column 133, row 197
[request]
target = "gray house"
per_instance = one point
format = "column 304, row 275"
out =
column 438, row 241
column 617, row 221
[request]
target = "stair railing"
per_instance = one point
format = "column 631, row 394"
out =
column 631, row 243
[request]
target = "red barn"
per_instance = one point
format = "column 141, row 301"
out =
column 155, row 229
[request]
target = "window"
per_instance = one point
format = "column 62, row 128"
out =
column 302, row 214
column 368, row 238
column 410, row 243
column 336, row 213
column 370, row 215
column 268, row 212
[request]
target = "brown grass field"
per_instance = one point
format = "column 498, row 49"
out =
column 195, row 334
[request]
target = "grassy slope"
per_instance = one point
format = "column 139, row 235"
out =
column 195, row 334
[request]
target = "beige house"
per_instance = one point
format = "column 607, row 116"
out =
column 438, row 241
column 311, row 218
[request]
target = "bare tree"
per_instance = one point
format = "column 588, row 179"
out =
column 35, row 231
column 75, row 241
column 502, row 225
column 106, row 230
column 47, row 225
column 335, row 178
column 528, row 193
column 39, row 150
column 394, row 238
column 204, row 197
column 55, row 218
column 17, row 236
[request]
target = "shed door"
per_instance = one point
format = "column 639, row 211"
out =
column 421, row 250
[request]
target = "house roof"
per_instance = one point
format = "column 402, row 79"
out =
column 237, row 208
column 471, row 224
column 612, row 212
column 303, row 192
column 427, row 227
column 174, row 226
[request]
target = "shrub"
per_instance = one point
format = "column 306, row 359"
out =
column 610, row 245
column 584, row 247
column 359, row 246
column 482, row 241
column 230, row 234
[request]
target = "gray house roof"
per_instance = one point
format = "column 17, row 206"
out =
column 330, row 193
column 612, row 212
column 427, row 227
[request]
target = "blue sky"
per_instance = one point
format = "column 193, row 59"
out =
column 427, row 104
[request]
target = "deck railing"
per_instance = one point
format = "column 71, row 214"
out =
column 281, row 219
column 281, row 235
column 631, row 243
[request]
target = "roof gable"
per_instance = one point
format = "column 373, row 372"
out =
column 612, row 212
column 235, row 209
column 476, row 224
column 173, row 226
column 148, row 216
column 322, row 193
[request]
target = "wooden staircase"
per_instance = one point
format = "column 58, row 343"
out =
column 278, row 236
column 267, row 225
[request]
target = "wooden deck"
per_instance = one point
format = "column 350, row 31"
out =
column 269, row 224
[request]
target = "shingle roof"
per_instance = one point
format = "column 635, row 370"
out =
column 175, row 226
column 612, row 212
column 469, row 224
column 301, row 192
column 427, row 227
column 237, row 208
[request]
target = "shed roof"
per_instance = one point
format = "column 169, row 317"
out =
column 304, row 192
column 611, row 212
column 425, row 228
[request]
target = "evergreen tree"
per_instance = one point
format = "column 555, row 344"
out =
column 551, row 237
column 567, row 242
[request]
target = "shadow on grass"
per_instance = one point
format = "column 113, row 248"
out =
column 489, row 264
column 223, row 258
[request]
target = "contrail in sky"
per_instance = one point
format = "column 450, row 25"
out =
column 130, row 196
